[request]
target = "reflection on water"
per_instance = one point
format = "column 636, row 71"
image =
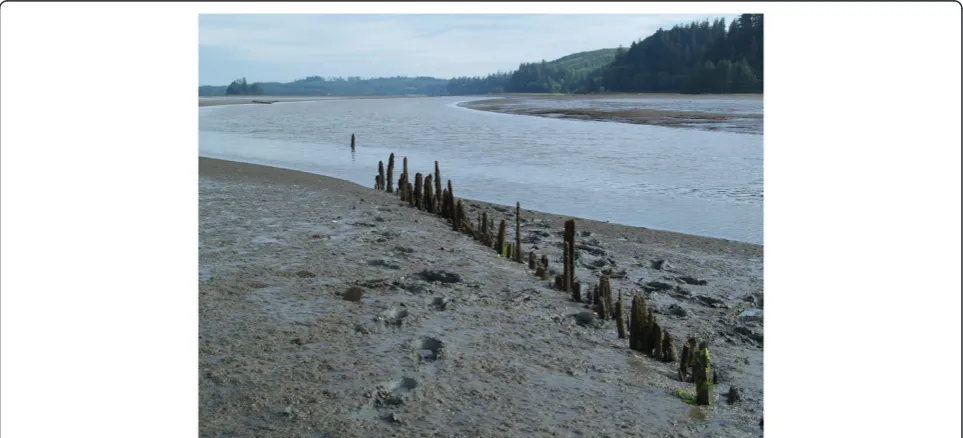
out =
column 691, row 181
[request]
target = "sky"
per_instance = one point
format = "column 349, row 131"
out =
column 286, row 47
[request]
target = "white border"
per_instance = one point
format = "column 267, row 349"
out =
column 99, row 212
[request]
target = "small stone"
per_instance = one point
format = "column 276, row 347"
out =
column 354, row 293
column 693, row 281
column 305, row 274
column 440, row 276
column 751, row 315
column 733, row 397
column 658, row 265
column 588, row 319
column 677, row 310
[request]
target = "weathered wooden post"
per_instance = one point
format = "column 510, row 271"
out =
column 636, row 323
column 701, row 373
column 437, row 184
column 381, row 175
column 486, row 238
column 687, row 358
column 500, row 243
column 619, row 317
column 428, row 198
column 605, row 307
column 416, row 198
column 656, row 340
column 569, row 258
column 352, row 141
column 668, row 346
column 391, row 171
column 518, row 232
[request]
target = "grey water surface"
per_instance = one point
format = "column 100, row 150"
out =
column 685, row 180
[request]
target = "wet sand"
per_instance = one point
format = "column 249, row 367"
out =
column 492, row 352
column 710, row 121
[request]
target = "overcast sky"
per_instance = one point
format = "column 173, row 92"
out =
column 266, row 48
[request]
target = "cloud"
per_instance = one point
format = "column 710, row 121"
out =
column 283, row 47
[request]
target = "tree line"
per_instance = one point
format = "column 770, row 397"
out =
column 700, row 57
column 241, row 87
column 317, row 85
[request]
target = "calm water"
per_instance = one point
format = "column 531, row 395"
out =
column 691, row 181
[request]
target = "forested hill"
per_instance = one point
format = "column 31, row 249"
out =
column 696, row 58
column 567, row 74
column 317, row 85
column 700, row 57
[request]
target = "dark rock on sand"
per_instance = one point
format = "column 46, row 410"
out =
column 657, row 285
column 440, row 276
column 595, row 251
column 749, row 333
column 676, row 310
column 613, row 273
column 711, row 302
column 733, row 397
column 693, row 281
column 354, row 293
column 383, row 264
column 404, row 249
column 660, row 265
column 305, row 274
column 588, row 319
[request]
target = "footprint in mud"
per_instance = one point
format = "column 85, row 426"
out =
column 393, row 393
column 428, row 349
column 394, row 317
column 439, row 303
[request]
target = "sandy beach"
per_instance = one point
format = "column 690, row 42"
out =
column 449, row 339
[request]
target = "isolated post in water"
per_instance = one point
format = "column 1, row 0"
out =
column 619, row 317
column 391, row 171
column 352, row 141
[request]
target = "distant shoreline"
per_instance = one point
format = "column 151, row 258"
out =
column 249, row 99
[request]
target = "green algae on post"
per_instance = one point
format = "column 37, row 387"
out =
column 701, row 373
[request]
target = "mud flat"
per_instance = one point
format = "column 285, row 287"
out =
column 593, row 108
column 447, row 338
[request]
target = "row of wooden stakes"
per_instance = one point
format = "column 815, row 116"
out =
column 427, row 194
column 644, row 332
